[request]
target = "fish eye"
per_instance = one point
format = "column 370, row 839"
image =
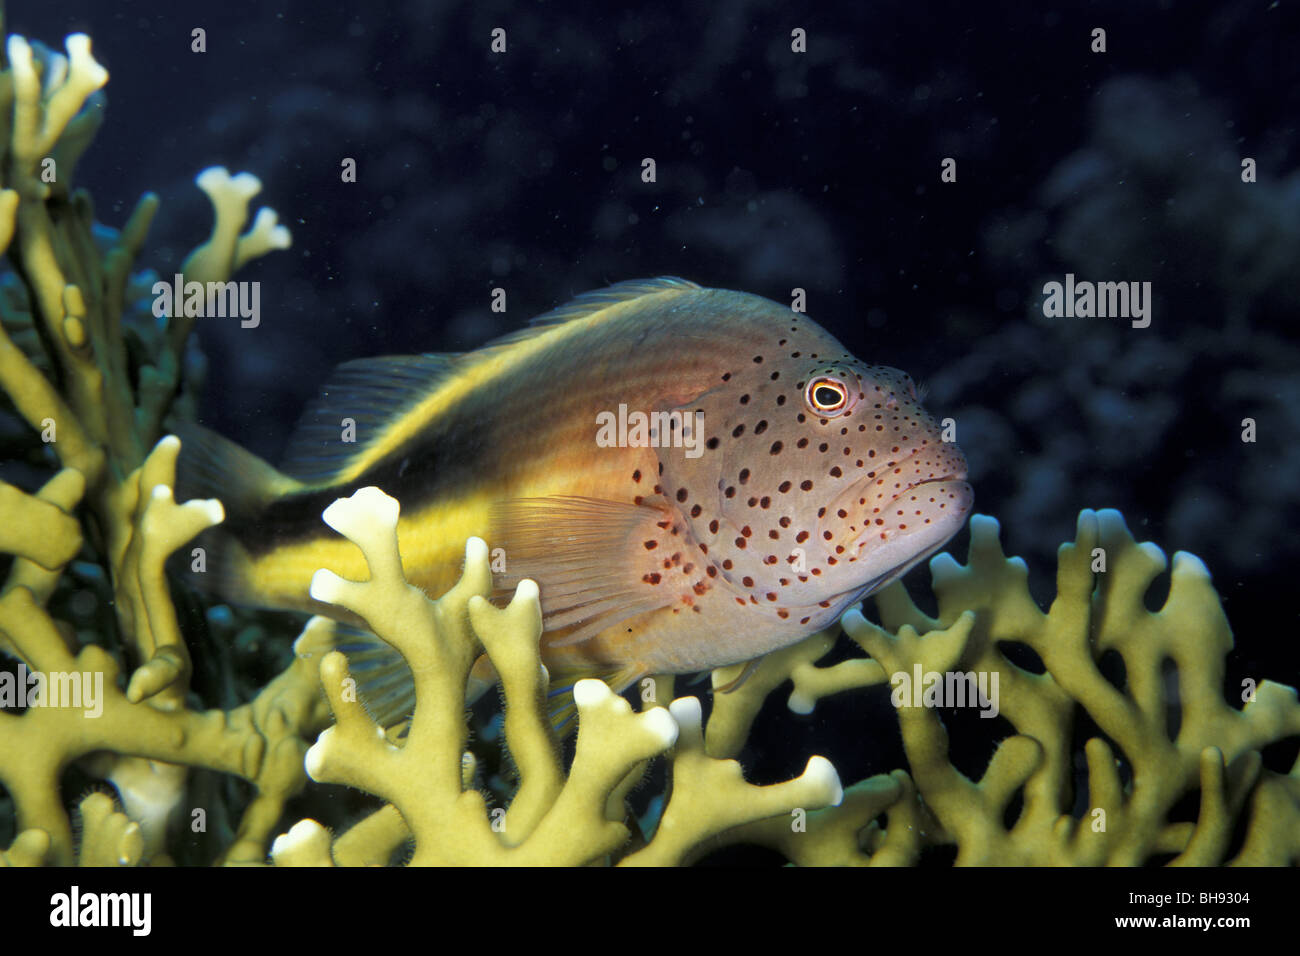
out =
column 827, row 396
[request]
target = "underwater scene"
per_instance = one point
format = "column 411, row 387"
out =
column 739, row 433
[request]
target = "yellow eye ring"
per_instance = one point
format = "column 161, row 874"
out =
column 826, row 396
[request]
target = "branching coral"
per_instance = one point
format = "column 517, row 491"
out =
column 985, row 606
column 553, row 819
column 92, row 373
column 98, row 405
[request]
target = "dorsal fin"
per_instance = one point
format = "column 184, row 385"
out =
column 589, row 303
column 372, row 392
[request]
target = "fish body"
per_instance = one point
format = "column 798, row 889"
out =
column 694, row 477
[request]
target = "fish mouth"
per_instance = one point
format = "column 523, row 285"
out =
column 919, row 545
column 958, row 473
column 954, row 477
column 863, row 591
column 936, row 505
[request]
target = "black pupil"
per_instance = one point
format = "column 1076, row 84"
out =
column 825, row 395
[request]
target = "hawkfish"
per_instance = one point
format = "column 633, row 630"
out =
column 694, row 477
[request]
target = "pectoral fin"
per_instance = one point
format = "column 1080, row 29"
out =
column 596, row 562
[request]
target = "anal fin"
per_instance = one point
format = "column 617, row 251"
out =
column 560, row 706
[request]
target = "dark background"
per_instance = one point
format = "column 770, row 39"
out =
column 778, row 170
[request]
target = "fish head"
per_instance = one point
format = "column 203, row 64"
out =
column 897, row 489
column 823, row 478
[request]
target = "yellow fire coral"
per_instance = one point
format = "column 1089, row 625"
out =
column 429, row 779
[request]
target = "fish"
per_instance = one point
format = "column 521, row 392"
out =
column 694, row 477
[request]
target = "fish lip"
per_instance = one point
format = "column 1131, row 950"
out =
column 864, row 591
column 958, row 479
column 958, row 474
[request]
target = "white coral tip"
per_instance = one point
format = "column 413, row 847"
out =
column 589, row 692
column 476, row 550
column 211, row 178
column 301, row 834
column 984, row 527
column 801, row 703
column 1154, row 552
column 325, row 586
column 1187, row 563
column 821, row 772
column 314, row 761
column 661, row 725
column 367, row 510
column 854, row 623
column 943, row 568
column 78, row 47
column 687, row 713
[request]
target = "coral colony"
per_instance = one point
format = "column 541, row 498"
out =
column 93, row 369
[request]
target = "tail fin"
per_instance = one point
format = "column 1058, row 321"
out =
column 214, row 467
